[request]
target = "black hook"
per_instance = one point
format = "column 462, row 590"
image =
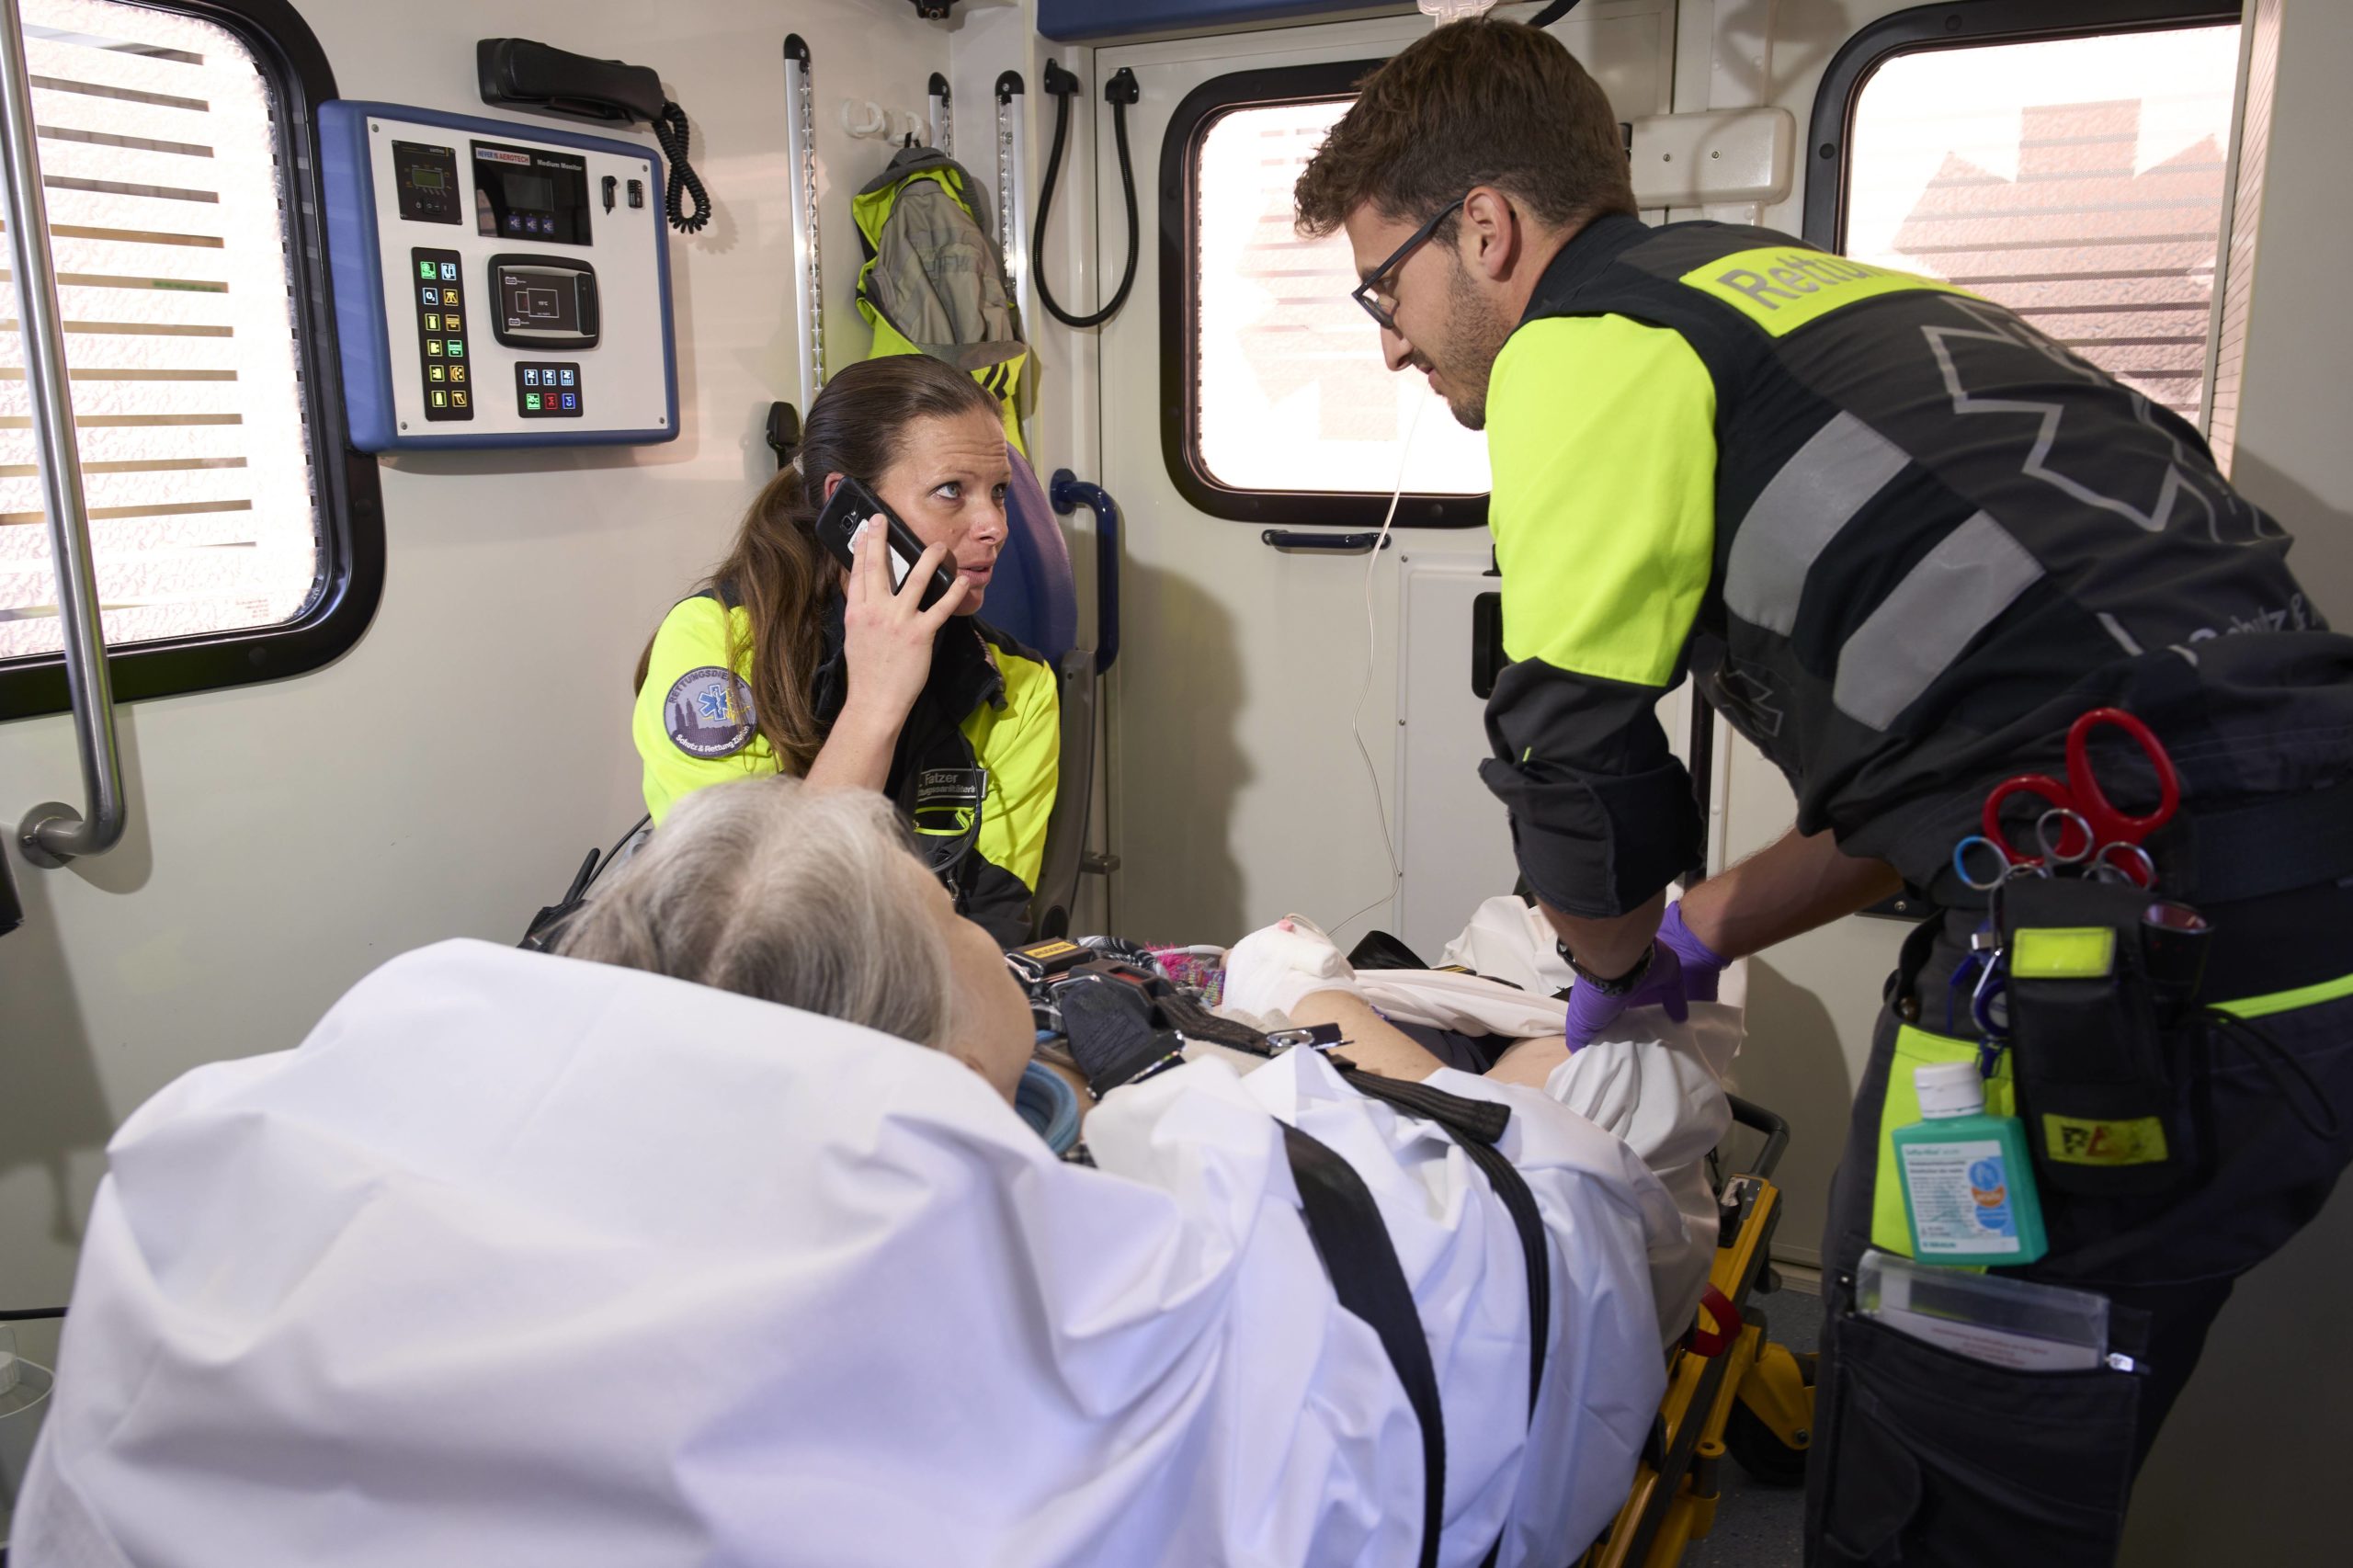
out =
column 783, row 433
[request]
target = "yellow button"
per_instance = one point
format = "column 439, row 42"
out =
column 456, row 400
column 456, row 372
column 440, row 399
column 432, row 322
column 449, row 322
column 449, row 296
column 433, row 372
column 433, row 347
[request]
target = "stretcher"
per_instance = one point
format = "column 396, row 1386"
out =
column 1729, row 1390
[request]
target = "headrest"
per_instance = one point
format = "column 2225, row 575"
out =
column 1033, row 596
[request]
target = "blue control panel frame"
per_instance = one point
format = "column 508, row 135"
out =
column 355, row 268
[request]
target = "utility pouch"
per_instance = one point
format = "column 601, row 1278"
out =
column 2104, row 1076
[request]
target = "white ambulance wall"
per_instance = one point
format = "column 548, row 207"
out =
column 2230, row 1480
column 445, row 777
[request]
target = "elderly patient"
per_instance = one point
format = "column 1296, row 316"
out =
column 727, row 1248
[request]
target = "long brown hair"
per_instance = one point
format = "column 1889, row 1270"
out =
column 776, row 570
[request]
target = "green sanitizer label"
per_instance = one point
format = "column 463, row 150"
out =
column 1960, row 1194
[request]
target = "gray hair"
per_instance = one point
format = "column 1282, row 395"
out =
column 771, row 888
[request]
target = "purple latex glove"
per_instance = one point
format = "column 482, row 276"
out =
column 1683, row 969
column 1702, row 966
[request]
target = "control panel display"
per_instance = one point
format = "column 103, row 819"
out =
column 427, row 179
column 441, row 308
column 545, row 302
column 530, row 193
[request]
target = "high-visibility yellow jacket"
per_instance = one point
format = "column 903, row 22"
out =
column 989, row 704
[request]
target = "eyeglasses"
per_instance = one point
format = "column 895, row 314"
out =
column 1364, row 292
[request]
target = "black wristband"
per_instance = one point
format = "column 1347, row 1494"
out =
column 1612, row 986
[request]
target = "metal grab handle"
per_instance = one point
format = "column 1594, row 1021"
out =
column 1067, row 492
column 55, row 833
column 1330, row 544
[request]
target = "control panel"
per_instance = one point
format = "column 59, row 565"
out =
column 440, row 311
column 548, row 391
column 493, row 287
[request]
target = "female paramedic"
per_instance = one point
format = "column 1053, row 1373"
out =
column 783, row 662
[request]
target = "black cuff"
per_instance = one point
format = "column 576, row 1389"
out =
column 1596, row 846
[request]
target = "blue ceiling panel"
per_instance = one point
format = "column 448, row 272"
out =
column 1098, row 22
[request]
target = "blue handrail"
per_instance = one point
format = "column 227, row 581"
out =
column 1068, row 492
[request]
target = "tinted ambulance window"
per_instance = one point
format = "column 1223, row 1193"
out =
column 2078, row 181
column 195, row 354
column 1286, row 394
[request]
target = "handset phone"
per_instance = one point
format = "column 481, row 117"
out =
column 837, row 525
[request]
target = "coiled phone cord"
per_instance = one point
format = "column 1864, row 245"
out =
column 670, row 130
column 1122, row 91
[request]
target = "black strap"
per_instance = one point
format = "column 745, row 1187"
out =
column 1477, row 1121
column 2275, row 845
column 1477, row 1125
column 1350, row 1236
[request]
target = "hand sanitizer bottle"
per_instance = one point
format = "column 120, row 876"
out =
column 1967, row 1178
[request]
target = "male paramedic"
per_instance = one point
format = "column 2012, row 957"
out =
column 1903, row 540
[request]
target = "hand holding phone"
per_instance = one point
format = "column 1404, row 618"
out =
column 888, row 623
column 853, row 507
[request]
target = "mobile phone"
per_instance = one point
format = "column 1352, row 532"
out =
column 837, row 526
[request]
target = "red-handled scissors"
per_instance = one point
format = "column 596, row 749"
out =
column 2081, row 823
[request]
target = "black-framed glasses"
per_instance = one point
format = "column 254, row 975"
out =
column 1363, row 292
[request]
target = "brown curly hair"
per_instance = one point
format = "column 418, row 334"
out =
column 1474, row 103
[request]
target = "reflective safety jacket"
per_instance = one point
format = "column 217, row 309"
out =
column 1900, row 536
column 934, row 281
column 989, row 702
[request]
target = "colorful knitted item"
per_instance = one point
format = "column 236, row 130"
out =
column 1202, row 972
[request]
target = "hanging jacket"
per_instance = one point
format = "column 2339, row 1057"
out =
column 934, row 281
column 988, row 703
column 1900, row 536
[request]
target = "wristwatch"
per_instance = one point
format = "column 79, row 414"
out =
column 1605, row 985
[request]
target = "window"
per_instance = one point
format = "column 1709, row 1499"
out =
column 2078, row 180
column 1288, row 413
column 199, row 355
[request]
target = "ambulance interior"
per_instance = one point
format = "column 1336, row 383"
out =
column 372, row 688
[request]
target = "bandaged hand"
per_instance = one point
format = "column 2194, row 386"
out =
column 1268, row 973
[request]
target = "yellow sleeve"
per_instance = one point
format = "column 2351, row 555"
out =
column 1021, row 747
column 1601, row 437
column 693, row 724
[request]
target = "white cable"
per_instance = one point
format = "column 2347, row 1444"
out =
column 1356, row 718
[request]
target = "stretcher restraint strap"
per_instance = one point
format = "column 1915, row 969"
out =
column 1476, row 1125
column 1349, row 1235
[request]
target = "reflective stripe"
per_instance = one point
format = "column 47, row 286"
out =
column 1823, row 485
column 2287, row 1001
column 1972, row 575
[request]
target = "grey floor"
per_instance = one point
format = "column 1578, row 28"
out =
column 1758, row 1526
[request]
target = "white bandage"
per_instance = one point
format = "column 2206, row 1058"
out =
column 1271, row 970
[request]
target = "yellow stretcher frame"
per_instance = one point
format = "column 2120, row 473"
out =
column 1673, row 1502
